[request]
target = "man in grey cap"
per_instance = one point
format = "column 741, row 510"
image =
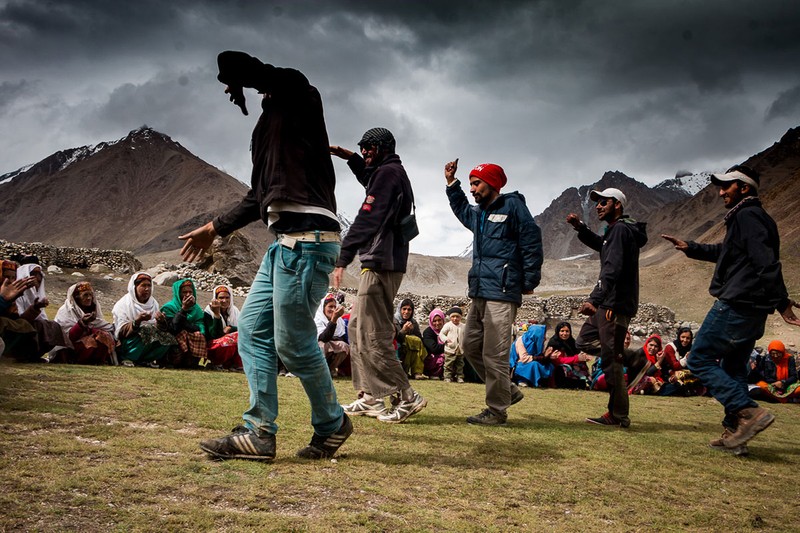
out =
column 748, row 285
column 376, row 237
column 614, row 300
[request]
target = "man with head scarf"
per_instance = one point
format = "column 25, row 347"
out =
column 376, row 237
column 292, row 191
column 748, row 284
column 506, row 263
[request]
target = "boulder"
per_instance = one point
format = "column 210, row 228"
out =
column 166, row 278
column 78, row 275
column 99, row 268
column 235, row 258
column 53, row 269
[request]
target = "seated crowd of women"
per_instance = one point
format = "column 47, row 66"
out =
column 179, row 334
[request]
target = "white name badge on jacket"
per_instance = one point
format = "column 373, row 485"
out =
column 497, row 218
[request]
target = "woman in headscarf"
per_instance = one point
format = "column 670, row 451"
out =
column 678, row 380
column 18, row 335
column 434, row 362
column 189, row 324
column 223, row 347
column 332, row 333
column 410, row 350
column 140, row 326
column 652, row 381
column 529, row 365
column 90, row 338
column 571, row 370
column 30, row 306
column 775, row 375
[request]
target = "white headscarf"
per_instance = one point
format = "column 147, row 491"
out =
column 27, row 298
column 70, row 313
column 128, row 307
column 233, row 311
column 322, row 321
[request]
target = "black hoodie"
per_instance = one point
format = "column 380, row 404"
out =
column 617, row 286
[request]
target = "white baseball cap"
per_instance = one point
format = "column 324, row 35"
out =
column 611, row 192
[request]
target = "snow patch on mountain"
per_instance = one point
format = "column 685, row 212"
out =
column 691, row 184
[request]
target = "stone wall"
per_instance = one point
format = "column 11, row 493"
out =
column 63, row 256
column 649, row 319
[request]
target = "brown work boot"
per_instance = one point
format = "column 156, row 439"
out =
column 719, row 444
column 752, row 420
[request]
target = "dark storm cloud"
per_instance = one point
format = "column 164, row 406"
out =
column 11, row 91
column 786, row 104
column 557, row 91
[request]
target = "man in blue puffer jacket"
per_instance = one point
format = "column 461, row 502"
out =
column 506, row 263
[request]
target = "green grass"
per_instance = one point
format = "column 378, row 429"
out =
column 115, row 449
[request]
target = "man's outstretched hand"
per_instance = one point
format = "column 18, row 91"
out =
column 197, row 242
column 788, row 314
column 676, row 242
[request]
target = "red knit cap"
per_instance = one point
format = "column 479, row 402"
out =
column 491, row 174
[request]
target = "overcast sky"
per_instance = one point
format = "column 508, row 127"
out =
column 557, row 92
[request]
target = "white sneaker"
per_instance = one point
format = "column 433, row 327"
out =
column 403, row 410
column 362, row 407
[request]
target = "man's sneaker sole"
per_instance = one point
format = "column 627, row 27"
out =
column 372, row 413
column 414, row 410
column 739, row 451
column 482, row 419
column 518, row 397
column 736, row 440
column 608, row 422
column 245, row 449
column 324, row 449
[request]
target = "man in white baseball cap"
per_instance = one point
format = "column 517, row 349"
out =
column 612, row 193
column 748, row 286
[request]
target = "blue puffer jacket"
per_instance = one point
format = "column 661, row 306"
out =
column 506, row 247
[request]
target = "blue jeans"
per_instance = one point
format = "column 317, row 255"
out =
column 277, row 320
column 720, row 354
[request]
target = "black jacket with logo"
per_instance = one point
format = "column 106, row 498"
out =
column 374, row 234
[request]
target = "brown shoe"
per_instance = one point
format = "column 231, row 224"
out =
column 752, row 421
column 719, row 444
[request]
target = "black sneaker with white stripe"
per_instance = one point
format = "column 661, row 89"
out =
column 242, row 443
column 324, row 447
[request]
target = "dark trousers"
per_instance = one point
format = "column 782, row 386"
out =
column 720, row 354
column 603, row 334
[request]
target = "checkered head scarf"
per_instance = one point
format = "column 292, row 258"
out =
column 380, row 137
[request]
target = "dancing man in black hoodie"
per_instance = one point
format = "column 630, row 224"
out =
column 614, row 300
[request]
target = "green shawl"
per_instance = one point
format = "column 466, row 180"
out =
column 172, row 307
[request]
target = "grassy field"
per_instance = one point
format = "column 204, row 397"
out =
column 115, row 449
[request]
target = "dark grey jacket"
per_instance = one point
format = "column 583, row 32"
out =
column 617, row 286
column 374, row 234
column 748, row 272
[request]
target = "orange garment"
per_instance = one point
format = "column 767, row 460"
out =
column 781, row 363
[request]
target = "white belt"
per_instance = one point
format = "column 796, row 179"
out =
column 290, row 239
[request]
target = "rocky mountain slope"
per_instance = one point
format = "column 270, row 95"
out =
column 560, row 240
column 137, row 193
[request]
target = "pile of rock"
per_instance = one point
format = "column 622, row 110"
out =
column 166, row 274
column 64, row 256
